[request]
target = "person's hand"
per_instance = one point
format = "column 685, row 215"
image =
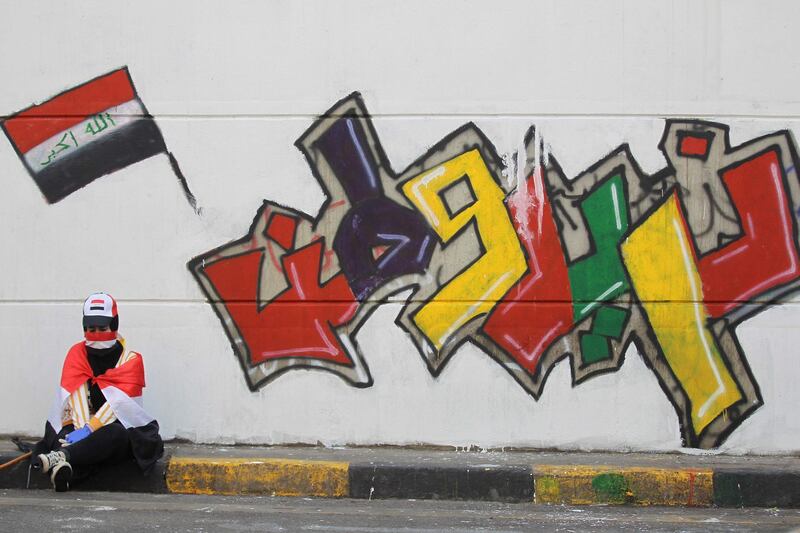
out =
column 78, row 434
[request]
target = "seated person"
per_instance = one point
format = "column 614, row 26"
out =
column 97, row 418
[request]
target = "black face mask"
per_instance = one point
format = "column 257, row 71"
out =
column 103, row 359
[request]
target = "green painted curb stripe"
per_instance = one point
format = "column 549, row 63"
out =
column 586, row 485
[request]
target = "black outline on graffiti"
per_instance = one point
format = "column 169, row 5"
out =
column 565, row 196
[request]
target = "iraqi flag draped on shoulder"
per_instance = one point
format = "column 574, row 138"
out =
column 122, row 387
column 86, row 132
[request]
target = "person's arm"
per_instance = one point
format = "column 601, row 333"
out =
column 104, row 416
column 80, row 409
column 79, row 405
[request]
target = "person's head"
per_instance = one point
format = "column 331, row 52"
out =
column 100, row 321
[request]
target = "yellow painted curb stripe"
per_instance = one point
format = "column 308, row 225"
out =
column 584, row 485
column 277, row 477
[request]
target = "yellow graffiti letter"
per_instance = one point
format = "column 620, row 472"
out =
column 476, row 289
column 663, row 272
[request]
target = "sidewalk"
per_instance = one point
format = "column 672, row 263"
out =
column 379, row 473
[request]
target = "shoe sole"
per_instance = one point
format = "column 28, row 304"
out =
column 61, row 476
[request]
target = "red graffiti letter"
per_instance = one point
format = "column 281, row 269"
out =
column 765, row 256
column 538, row 309
column 299, row 322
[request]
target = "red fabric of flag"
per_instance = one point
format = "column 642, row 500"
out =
column 128, row 377
column 38, row 123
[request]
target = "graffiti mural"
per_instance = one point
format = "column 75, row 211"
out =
column 532, row 270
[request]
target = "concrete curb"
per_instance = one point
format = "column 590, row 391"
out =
column 510, row 483
column 539, row 484
column 580, row 485
column 278, row 477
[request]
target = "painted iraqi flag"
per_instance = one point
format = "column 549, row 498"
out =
column 86, row 132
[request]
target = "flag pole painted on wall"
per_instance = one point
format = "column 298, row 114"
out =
column 86, row 132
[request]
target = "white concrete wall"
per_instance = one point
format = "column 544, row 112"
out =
column 234, row 84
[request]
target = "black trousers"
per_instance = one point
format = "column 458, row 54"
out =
column 108, row 445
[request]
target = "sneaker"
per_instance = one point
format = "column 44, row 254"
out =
column 48, row 461
column 61, row 476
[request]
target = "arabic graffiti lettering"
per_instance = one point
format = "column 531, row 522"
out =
column 61, row 146
column 533, row 272
column 92, row 127
column 98, row 123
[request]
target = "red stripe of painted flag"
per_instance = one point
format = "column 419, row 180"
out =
column 38, row 123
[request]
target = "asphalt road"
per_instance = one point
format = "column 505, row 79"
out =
column 31, row 511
